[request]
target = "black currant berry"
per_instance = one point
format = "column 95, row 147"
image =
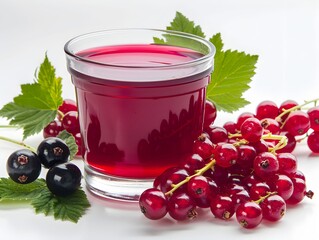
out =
column 63, row 179
column 52, row 151
column 23, row 166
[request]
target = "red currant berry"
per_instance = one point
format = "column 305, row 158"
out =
column 153, row 204
column 273, row 208
column 52, row 129
column 172, row 176
column 230, row 126
column 270, row 125
column 299, row 192
column 287, row 163
column 249, row 214
column 283, row 185
column 242, row 117
column 181, row 207
column 198, row 188
column 267, row 109
column 286, row 105
column 225, row 155
column 313, row 114
column 193, row 162
column 251, row 130
column 246, row 156
column 297, row 123
column 266, row 165
column 258, row 190
column 313, row 142
column 203, row 147
column 70, row 122
column 210, row 114
column 222, row 207
column 67, row 106
column 217, row 134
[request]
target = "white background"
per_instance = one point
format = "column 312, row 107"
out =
column 285, row 34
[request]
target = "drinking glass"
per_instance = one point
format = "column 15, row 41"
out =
column 141, row 96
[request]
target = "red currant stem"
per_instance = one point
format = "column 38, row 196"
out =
column 18, row 143
column 283, row 141
column 240, row 142
column 264, row 197
column 186, row 180
column 278, row 118
column 234, row 135
column 61, row 114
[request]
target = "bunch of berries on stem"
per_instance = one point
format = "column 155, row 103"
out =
column 244, row 169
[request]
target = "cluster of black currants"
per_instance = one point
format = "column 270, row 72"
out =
column 62, row 179
column 243, row 169
column 66, row 119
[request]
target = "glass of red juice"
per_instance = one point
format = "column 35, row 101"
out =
column 141, row 96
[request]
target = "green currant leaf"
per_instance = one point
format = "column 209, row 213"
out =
column 69, row 208
column 232, row 74
column 10, row 190
column 38, row 102
column 70, row 141
column 183, row 24
column 44, row 203
column 72, row 207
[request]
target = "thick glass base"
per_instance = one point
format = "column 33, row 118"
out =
column 114, row 187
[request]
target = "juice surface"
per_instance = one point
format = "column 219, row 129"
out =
column 137, row 130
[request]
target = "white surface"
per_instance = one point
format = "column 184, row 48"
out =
column 284, row 34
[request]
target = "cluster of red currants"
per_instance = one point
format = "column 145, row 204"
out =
column 67, row 119
column 244, row 168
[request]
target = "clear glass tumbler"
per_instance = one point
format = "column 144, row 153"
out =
column 141, row 96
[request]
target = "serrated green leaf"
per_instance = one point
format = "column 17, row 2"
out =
column 69, row 208
column 10, row 190
column 182, row 24
column 31, row 120
column 49, row 82
column 218, row 43
column 37, row 104
column 70, row 141
column 44, row 203
column 63, row 210
column 232, row 74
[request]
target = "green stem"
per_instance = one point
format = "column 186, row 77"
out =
column 18, row 143
column 61, row 114
column 283, row 141
column 8, row 126
column 199, row 172
column 264, row 197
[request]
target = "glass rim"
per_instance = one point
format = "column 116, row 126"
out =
column 206, row 57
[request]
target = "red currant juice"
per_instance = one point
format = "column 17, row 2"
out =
column 137, row 129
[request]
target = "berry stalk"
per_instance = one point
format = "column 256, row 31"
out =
column 20, row 143
column 199, row 172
